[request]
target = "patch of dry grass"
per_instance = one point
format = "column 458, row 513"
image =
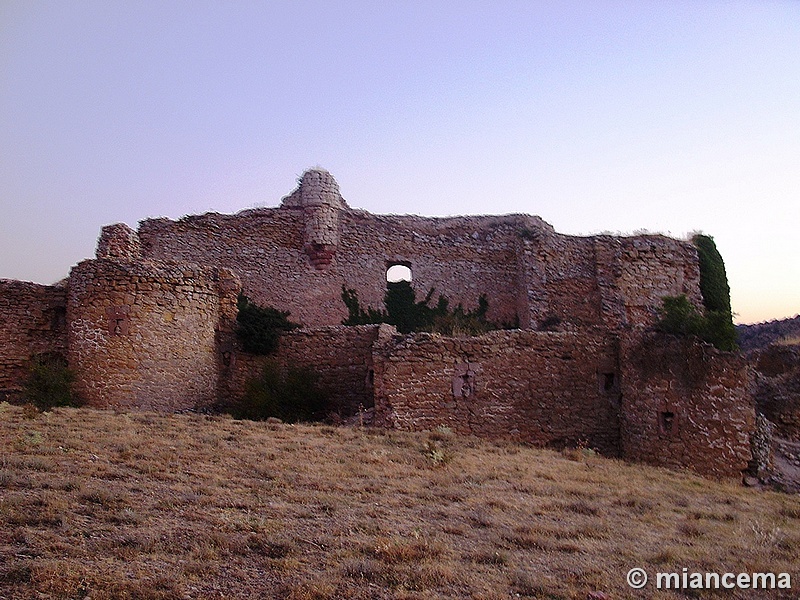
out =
column 789, row 340
column 100, row 505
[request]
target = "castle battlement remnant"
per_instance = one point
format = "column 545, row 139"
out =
column 149, row 323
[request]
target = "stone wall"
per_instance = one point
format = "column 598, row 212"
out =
column 267, row 248
column 777, row 389
column 149, row 335
column 145, row 327
column 341, row 356
column 545, row 388
column 685, row 405
column 32, row 322
column 648, row 268
column 297, row 257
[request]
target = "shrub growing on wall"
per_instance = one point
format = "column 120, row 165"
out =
column 291, row 394
column 680, row 317
column 713, row 278
column 259, row 327
column 716, row 293
column 49, row 382
column 407, row 314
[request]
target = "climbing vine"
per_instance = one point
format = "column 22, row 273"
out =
column 260, row 327
column 404, row 311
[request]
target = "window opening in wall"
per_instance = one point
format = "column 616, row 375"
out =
column 608, row 382
column 397, row 273
column 667, row 421
column 58, row 318
column 118, row 320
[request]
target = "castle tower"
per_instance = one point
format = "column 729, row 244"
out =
column 319, row 198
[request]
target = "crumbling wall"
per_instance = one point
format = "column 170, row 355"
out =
column 32, row 322
column 650, row 267
column 570, row 281
column 149, row 335
column 460, row 257
column 545, row 388
column 341, row 357
column 118, row 242
column 298, row 257
column 777, row 387
column 685, row 405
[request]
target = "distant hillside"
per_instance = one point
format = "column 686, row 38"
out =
column 761, row 335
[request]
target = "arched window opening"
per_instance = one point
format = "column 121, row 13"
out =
column 397, row 273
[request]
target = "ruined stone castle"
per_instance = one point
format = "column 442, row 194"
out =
column 150, row 324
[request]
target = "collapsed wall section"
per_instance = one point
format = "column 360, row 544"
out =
column 549, row 389
column 32, row 323
column 149, row 335
column 777, row 387
column 685, row 405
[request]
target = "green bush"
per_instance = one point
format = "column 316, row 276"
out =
column 719, row 327
column 720, row 330
column 407, row 314
column 49, row 382
column 291, row 394
column 713, row 278
column 680, row 317
column 259, row 328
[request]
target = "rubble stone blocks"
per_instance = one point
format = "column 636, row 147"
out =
column 544, row 388
column 685, row 404
column 297, row 256
column 777, row 388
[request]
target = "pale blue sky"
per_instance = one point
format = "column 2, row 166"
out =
column 598, row 116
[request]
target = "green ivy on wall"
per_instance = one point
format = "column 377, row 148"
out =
column 715, row 324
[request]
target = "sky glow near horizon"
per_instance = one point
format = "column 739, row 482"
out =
column 606, row 116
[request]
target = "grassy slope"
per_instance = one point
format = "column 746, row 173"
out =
column 101, row 505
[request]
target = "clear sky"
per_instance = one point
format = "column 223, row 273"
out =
column 668, row 116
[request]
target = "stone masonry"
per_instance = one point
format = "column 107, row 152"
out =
column 32, row 322
column 546, row 388
column 298, row 256
column 149, row 335
column 150, row 324
column 686, row 404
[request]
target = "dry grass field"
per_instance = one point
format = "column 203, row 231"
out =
column 97, row 505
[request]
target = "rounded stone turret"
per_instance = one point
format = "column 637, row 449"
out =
column 318, row 196
column 316, row 187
